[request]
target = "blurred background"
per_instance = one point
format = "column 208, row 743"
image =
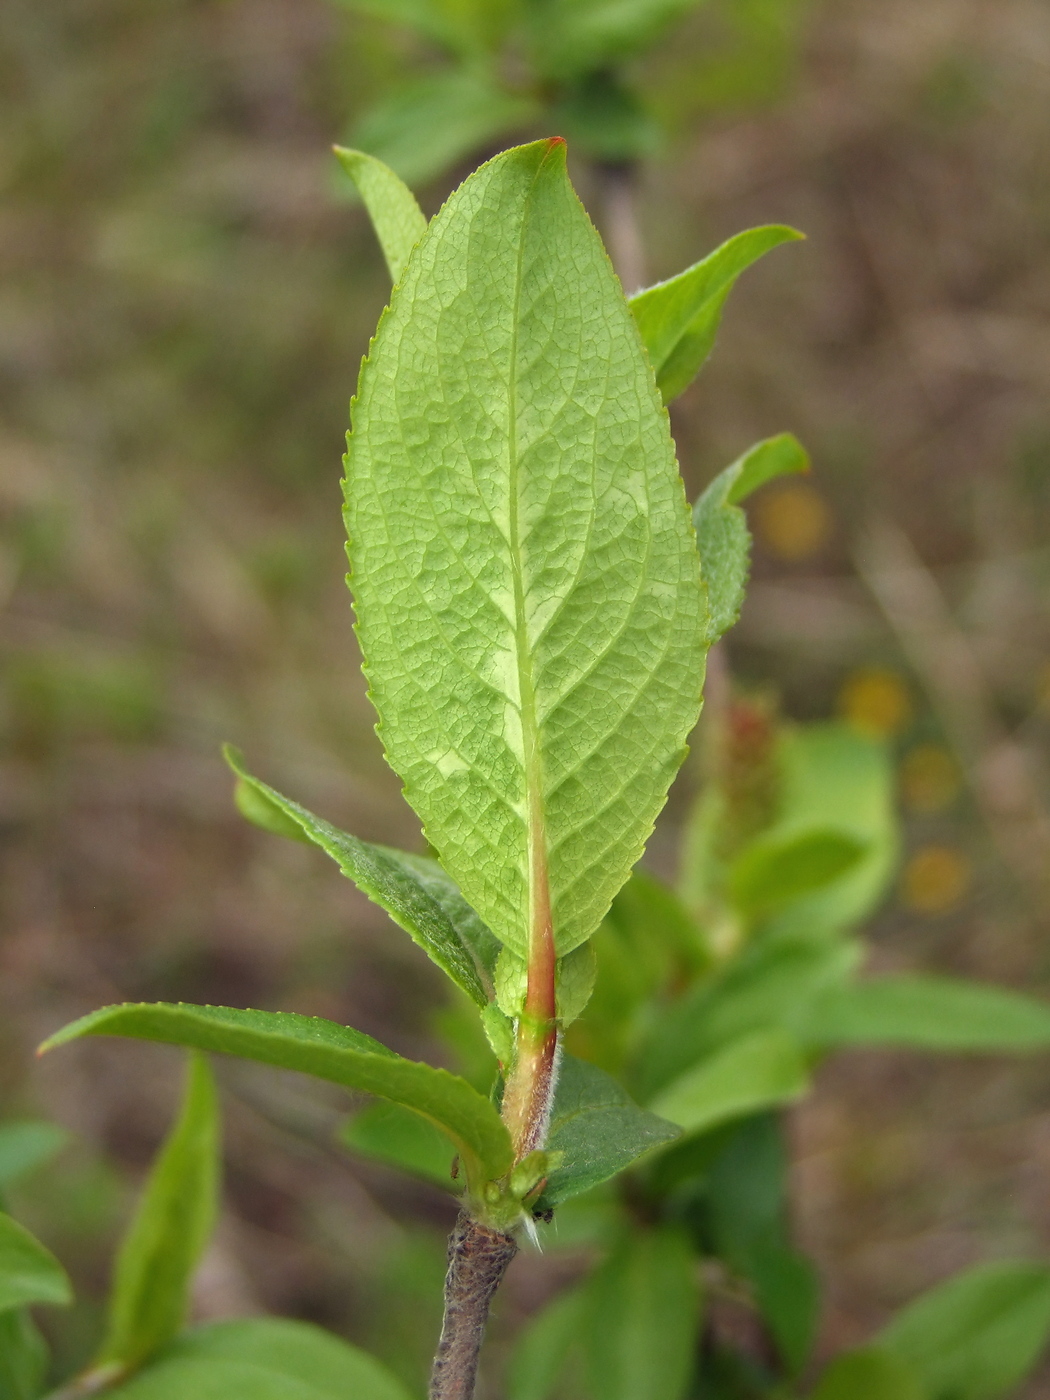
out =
column 186, row 293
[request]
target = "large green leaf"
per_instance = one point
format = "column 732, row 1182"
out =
column 543, row 1347
column 524, row 570
column 869, row 1374
column 928, row 1013
column 396, row 217
column 642, row 1318
column 779, row 868
column 262, row 1359
column 400, row 1138
column 24, row 1146
column 29, row 1273
column 755, row 1072
column 419, row 130
column 170, row 1230
column 978, row 1335
column 598, row 1129
column 679, row 318
column 327, row 1051
column 23, row 1357
column 414, row 891
column 721, row 526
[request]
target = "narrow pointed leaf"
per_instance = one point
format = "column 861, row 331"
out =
column 524, row 570
column 757, row 1071
column 414, row 891
column 29, row 1273
column 599, row 1130
column 327, row 1051
column 398, row 221
column 679, row 318
column 928, row 1013
column 23, row 1357
column 777, row 869
column 26, row 1146
column 870, row 1374
column 721, row 527
column 170, row 1230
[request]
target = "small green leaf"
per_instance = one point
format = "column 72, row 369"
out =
column 603, row 119
column 414, row 891
column 928, row 1013
column 679, row 318
column 421, row 129
column 977, row 1336
column 23, row 1357
column 464, row 27
column 29, row 1273
column 757, row 1071
column 262, row 811
column 544, row 1346
column 721, row 527
column 402, row 1139
column 870, row 1374
column 396, row 217
column 598, row 1129
column 643, row 1309
column 170, row 1230
column 781, row 867
column 262, row 1359
column 327, row 1051
column 571, row 37
column 26, row 1146
column 524, row 570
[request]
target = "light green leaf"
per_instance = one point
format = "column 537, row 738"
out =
column 757, row 1071
column 465, row 27
column 643, row 1314
column 170, row 1230
column 572, row 37
column 598, row 1129
column 543, row 1347
column 779, row 868
column 928, row 1013
column 524, row 570
column 421, row 129
column 574, row 978
column 402, row 1139
column 721, row 527
column 327, row 1051
column 396, row 217
column 29, row 1273
column 978, row 1335
column 870, row 1374
column 26, row 1146
column 23, row 1357
column 262, row 1359
column 679, row 318
column 414, row 891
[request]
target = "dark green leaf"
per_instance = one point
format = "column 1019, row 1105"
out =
column 722, row 535
column 327, row 1051
column 599, row 1130
column 870, row 1374
column 781, row 867
column 758, row 1071
column 23, row 1357
column 262, row 1359
column 544, row 1346
column 642, row 1318
column 414, row 891
column 398, row 221
column 400, row 1138
column 26, row 1146
column 170, row 1230
column 602, row 119
column 978, row 1335
column 679, row 318
column 423, row 128
column 29, row 1273
column 928, row 1013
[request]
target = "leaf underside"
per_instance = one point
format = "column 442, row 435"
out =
column 524, row 570
column 396, row 217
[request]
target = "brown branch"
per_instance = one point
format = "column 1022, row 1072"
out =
column 477, row 1260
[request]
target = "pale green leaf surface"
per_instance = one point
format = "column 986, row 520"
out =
column 598, row 1128
column 325, row 1050
column 978, row 1335
column 679, row 318
column 414, row 891
column 24, row 1146
column 928, row 1013
column 29, row 1273
column 23, row 1357
column 543, row 1347
column 170, row 1229
column 421, row 129
column 402, row 1139
column 524, row 569
column 758, row 1071
column 398, row 221
column 870, row 1374
column 779, row 868
column 721, row 527
column 643, row 1312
